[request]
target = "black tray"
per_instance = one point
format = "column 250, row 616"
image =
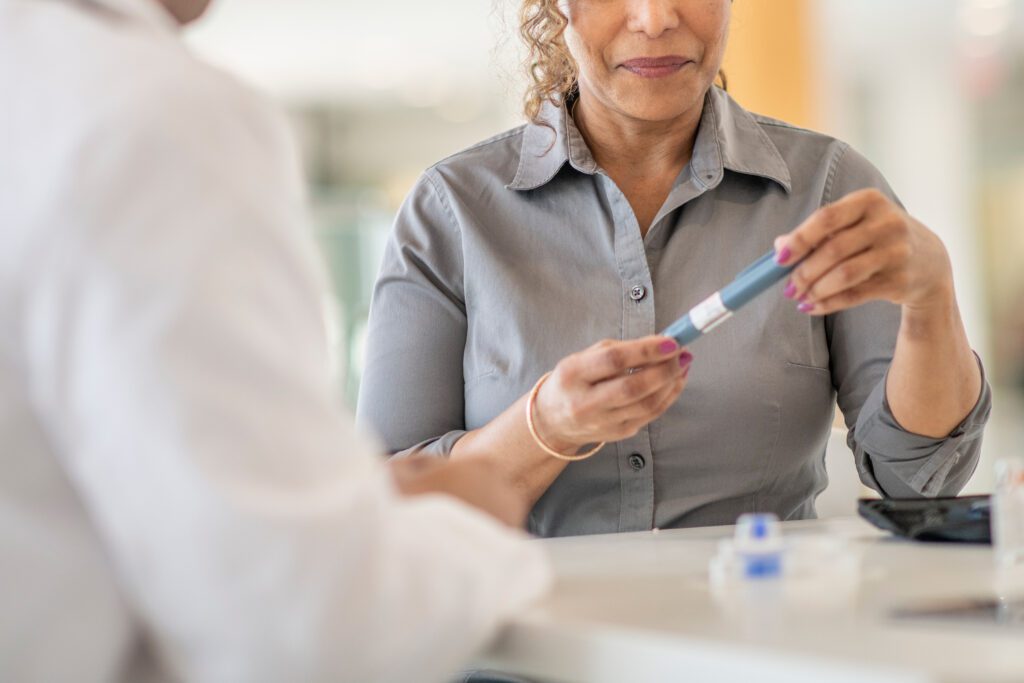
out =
column 950, row 520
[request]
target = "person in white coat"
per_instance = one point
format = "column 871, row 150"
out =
column 182, row 496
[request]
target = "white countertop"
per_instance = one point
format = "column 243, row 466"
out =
column 629, row 608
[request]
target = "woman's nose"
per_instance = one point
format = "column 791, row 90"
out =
column 652, row 17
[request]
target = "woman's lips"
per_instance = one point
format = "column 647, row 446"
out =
column 655, row 67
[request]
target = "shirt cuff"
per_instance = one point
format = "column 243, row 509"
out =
column 900, row 459
column 438, row 446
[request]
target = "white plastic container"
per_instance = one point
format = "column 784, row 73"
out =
column 758, row 546
column 760, row 569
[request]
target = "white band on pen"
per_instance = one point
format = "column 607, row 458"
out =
column 710, row 313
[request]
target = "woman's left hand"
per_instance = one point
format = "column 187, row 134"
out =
column 861, row 248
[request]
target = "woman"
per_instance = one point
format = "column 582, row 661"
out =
column 637, row 189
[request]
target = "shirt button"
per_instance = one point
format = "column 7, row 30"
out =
column 637, row 462
column 638, row 292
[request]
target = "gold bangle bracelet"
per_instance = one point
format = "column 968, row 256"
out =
column 536, row 437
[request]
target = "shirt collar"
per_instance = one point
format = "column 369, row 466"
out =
column 728, row 137
column 149, row 12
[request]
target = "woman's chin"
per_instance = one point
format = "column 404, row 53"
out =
column 660, row 104
column 660, row 111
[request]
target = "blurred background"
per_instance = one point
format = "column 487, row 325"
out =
column 932, row 91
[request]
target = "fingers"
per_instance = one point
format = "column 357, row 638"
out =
column 847, row 275
column 873, row 288
column 826, row 222
column 844, row 246
column 575, row 408
column 652, row 407
column 608, row 359
column 849, row 252
column 635, row 388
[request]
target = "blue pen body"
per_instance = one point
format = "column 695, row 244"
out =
column 719, row 307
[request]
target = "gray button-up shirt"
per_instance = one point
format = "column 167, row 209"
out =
column 516, row 252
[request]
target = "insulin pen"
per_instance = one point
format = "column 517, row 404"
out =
column 720, row 306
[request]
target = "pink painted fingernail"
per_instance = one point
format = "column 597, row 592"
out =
column 685, row 359
column 789, row 291
column 668, row 346
column 805, row 307
column 783, row 255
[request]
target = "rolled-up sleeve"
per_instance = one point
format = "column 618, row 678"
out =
column 904, row 464
column 412, row 390
column 890, row 459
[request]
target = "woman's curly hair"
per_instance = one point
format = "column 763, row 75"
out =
column 551, row 68
column 553, row 71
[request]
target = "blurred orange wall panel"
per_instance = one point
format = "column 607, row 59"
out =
column 770, row 61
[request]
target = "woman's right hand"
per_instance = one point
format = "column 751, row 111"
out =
column 609, row 391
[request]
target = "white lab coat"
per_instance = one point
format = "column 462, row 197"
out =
column 181, row 496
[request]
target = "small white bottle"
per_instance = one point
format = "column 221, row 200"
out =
column 1008, row 515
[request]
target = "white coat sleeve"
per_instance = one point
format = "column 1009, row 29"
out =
column 174, row 333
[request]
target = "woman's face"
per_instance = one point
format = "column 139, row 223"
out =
column 647, row 59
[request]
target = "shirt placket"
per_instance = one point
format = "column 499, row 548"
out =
column 634, row 455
